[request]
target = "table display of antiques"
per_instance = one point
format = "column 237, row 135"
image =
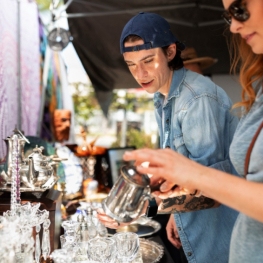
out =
column 18, row 244
column 85, row 239
column 25, row 229
column 35, row 173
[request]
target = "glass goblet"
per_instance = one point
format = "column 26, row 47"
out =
column 96, row 248
column 61, row 256
column 108, row 253
column 81, row 251
column 70, row 230
column 62, row 240
column 127, row 244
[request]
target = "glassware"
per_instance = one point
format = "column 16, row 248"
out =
column 70, row 231
column 62, row 240
column 96, row 249
column 61, row 256
column 46, row 239
column 81, row 251
column 83, row 227
column 37, row 244
column 109, row 255
column 92, row 231
column 16, row 245
column 101, row 230
column 127, row 244
column 27, row 216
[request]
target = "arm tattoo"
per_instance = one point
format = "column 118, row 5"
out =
column 186, row 204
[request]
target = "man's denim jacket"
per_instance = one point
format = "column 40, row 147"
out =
column 196, row 121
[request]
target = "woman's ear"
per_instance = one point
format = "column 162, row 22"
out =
column 171, row 52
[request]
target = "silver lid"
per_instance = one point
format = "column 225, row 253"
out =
column 132, row 175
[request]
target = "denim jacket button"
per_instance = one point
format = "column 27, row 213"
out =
column 167, row 121
column 179, row 228
column 189, row 254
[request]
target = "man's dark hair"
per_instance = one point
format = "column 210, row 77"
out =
column 175, row 63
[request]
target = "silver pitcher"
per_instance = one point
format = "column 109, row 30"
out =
column 6, row 176
column 127, row 197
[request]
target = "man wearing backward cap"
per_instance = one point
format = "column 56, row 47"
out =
column 194, row 119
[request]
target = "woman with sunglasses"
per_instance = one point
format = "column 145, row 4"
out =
column 243, row 194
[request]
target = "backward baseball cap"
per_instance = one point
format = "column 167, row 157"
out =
column 154, row 30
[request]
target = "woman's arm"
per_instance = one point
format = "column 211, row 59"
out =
column 235, row 192
column 186, row 203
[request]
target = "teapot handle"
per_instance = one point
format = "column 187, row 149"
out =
column 22, row 135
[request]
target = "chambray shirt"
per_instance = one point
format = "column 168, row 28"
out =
column 196, row 122
column 247, row 237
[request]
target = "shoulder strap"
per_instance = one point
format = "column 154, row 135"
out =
column 250, row 148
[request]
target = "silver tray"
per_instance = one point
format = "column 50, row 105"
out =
column 141, row 227
column 151, row 251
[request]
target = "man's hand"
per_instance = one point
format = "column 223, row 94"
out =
column 172, row 233
column 108, row 221
column 112, row 223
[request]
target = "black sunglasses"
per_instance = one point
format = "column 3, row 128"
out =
column 236, row 10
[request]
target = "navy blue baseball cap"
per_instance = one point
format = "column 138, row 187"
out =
column 154, row 30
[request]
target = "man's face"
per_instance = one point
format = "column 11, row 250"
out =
column 149, row 68
column 62, row 120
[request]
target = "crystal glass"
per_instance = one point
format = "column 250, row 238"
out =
column 81, row 251
column 109, row 254
column 61, row 256
column 127, row 244
column 16, row 245
column 70, row 229
column 97, row 248
column 62, row 240
column 27, row 216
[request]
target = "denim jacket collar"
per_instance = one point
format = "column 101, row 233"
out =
column 178, row 77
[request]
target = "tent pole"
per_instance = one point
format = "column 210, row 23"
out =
column 19, row 109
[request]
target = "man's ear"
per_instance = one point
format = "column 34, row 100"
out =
column 171, row 52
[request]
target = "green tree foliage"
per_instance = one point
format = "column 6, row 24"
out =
column 135, row 103
column 135, row 138
column 84, row 101
column 131, row 102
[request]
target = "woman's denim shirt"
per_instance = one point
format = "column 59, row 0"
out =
column 196, row 121
column 247, row 237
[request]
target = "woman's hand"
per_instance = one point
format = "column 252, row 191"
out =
column 172, row 171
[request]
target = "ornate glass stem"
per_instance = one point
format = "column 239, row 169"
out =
column 46, row 239
column 15, row 182
column 37, row 244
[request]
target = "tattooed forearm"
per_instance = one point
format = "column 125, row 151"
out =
column 186, row 204
column 179, row 200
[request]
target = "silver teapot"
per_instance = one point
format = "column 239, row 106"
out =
column 42, row 168
column 127, row 197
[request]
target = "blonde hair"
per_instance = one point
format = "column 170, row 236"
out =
column 250, row 67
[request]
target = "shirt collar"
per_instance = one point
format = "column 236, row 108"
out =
column 177, row 79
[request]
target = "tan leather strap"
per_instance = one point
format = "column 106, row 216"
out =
column 250, row 148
